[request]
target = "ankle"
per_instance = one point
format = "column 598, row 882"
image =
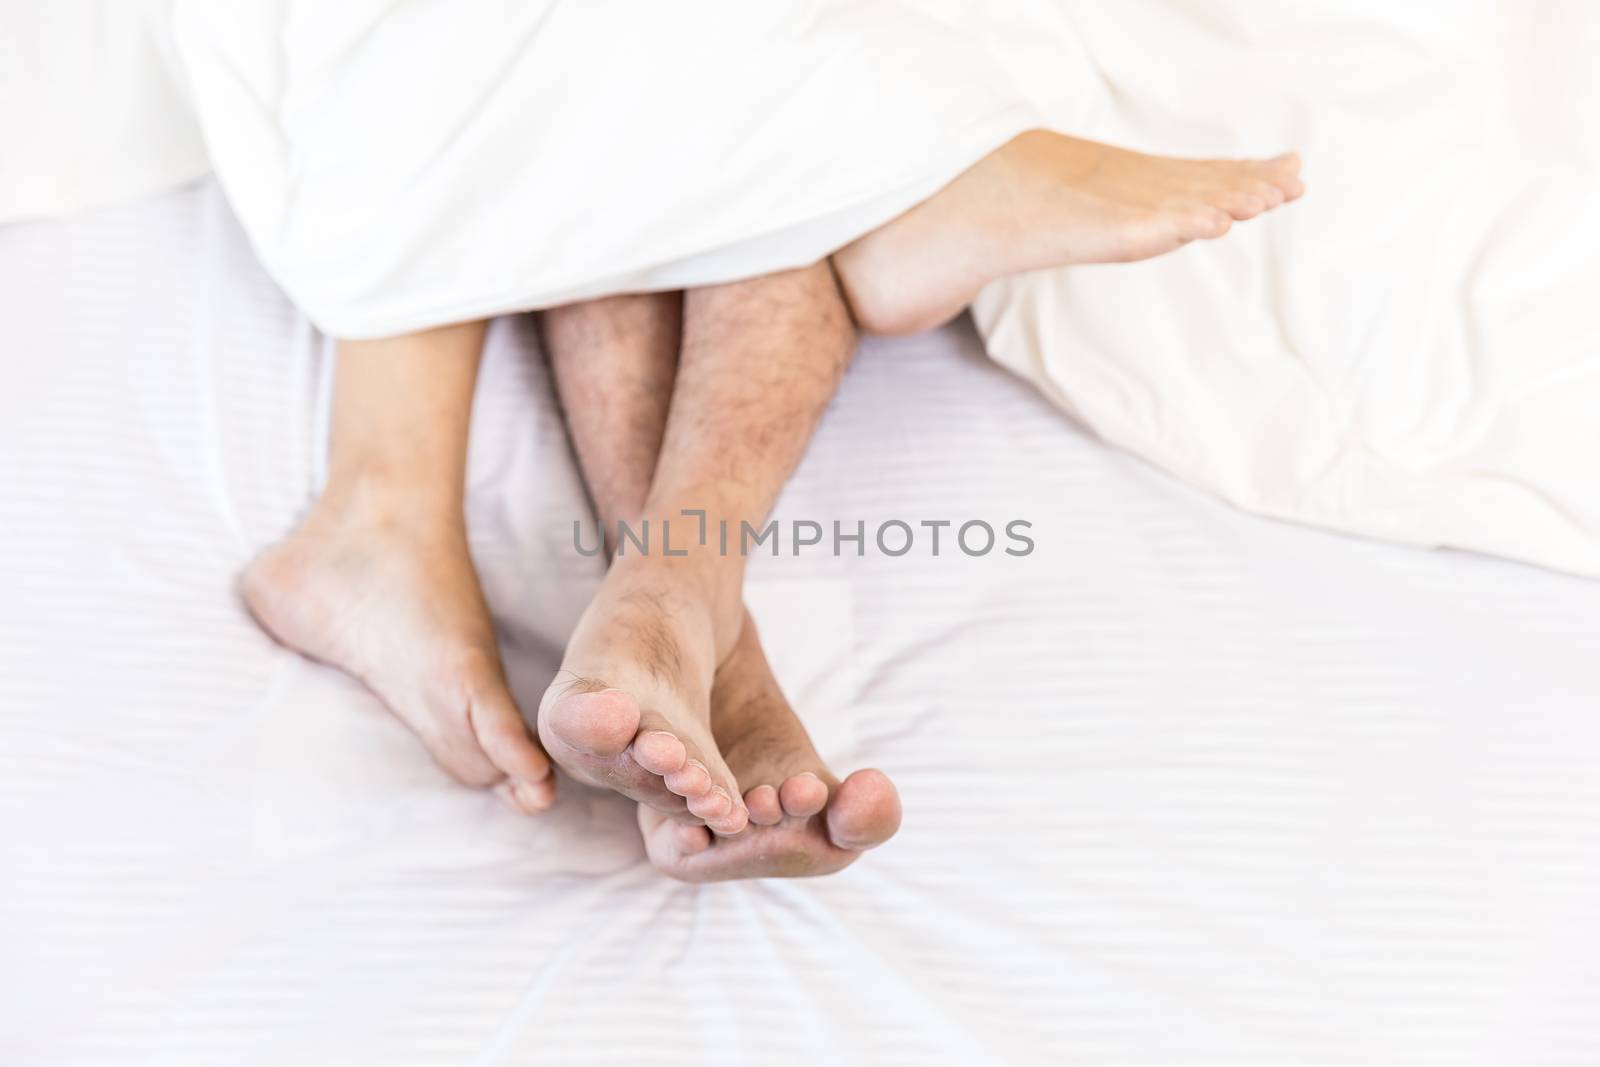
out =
column 707, row 583
column 381, row 503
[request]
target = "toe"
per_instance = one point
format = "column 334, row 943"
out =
column 689, row 840
column 712, row 804
column 865, row 811
column 670, row 845
column 534, row 797
column 459, row 754
column 709, row 760
column 719, row 811
column 1242, row 204
column 689, row 781
column 1288, row 162
column 659, row 752
column 507, row 791
column 660, row 837
column 527, row 798
column 803, row 795
column 600, row 723
column 1283, row 173
column 501, row 732
column 1269, row 193
column 764, row 806
column 1209, row 224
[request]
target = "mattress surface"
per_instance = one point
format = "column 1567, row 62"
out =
column 1181, row 786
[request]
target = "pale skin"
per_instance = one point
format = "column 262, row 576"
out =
column 665, row 695
column 377, row 580
column 1048, row 200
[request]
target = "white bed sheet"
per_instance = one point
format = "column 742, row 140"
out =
column 1182, row 787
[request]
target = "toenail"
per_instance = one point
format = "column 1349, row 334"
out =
column 529, row 794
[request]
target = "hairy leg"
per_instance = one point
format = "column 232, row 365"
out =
column 614, row 362
column 1047, row 200
column 377, row 578
column 759, row 361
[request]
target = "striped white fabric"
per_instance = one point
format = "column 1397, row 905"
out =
column 1182, row 786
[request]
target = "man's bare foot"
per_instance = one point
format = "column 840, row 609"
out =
column 630, row 709
column 1047, row 200
column 387, row 592
column 803, row 820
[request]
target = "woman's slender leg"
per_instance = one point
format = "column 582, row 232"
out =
column 1047, row 200
column 377, row 579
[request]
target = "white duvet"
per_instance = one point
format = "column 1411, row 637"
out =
column 1413, row 351
column 1409, row 353
column 399, row 165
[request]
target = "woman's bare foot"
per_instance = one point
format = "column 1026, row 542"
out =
column 803, row 820
column 386, row 591
column 630, row 709
column 1047, row 200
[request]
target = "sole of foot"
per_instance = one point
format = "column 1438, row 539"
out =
column 803, row 820
column 397, row 604
column 629, row 710
column 1047, row 200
